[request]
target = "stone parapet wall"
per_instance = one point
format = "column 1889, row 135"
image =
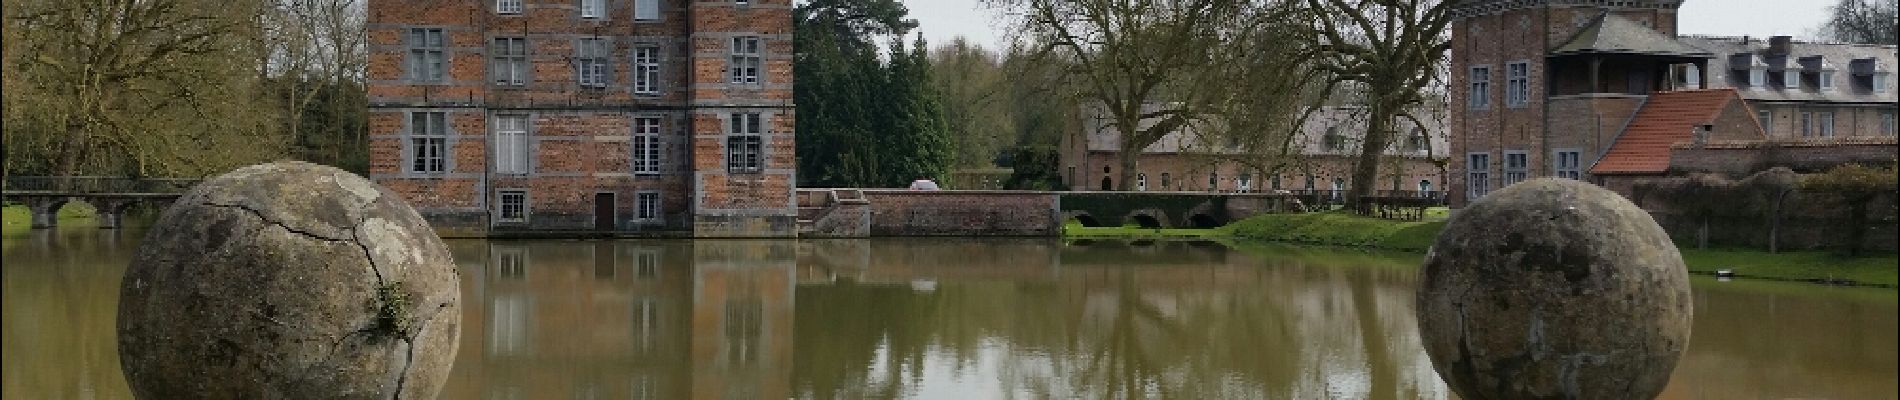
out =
column 1738, row 158
column 963, row 213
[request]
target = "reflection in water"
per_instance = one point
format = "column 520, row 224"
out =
column 950, row 318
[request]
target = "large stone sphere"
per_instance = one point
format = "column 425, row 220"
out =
column 289, row 280
column 1554, row 288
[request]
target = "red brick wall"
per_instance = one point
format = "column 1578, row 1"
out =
column 1495, row 39
column 581, row 136
column 1189, row 172
column 1740, row 158
column 963, row 213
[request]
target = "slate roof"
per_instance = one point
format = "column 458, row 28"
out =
column 1666, row 119
column 1851, row 83
column 1100, row 137
column 1611, row 34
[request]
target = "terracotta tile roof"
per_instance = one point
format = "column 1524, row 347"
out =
column 1664, row 120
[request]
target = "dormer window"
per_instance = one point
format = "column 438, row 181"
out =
column 1751, row 66
column 1791, row 78
column 1871, row 71
column 1823, row 72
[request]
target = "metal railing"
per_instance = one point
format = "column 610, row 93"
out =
column 97, row 184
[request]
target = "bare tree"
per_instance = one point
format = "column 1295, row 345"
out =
column 1864, row 21
column 1158, row 66
column 1390, row 48
column 136, row 86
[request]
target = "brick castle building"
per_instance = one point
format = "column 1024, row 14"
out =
column 498, row 116
column 1324, row 151
column 1604, row 90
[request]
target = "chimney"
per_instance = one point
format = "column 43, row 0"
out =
column 1779, row 44
column 1701, row 133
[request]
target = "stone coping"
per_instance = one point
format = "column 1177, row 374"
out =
column 1793, row 142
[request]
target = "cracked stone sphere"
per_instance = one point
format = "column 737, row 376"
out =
column 1554, row 288
column 289, row 280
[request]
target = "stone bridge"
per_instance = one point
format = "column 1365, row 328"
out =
column 891, row 212
column 111, row 196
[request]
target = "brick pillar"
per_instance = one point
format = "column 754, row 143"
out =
column 45, row 210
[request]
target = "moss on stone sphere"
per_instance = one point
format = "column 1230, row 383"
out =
column 289, row 280
column 1554, row 288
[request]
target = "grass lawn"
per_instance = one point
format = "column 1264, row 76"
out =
column 16, row 218
column 1881, row 269
column 1338, row 228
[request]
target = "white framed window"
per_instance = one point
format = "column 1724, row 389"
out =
column 745, row 148
column 1826, row 80
column 1516, row 167
column 1213, row 181
column 646, row 145
column 1141, row 181
column 1887, row 124
column 1274, row 183
column 428, row 142
column 513, row 206
column 1244, row 183
column 1424, row 186
column 1879, row 82
column 513, row 148
column 1517, row 86
column 508, row 6
column 1791, row 78
column 1767, row 120
column 1827, row 124
column 593, row 8
column 590, row 62
column 510, row 64
column 1165, row 181
column 1333, row 140
column 1480, row 94
column 426, row 61
column 746, row 60
column 1339, row 189
column 1757, row 77
column 646, row 10
column 1692, row 76
column 647, row 206
column 646, row 69
column 1807, row 124
column 1477, row 175
column 1569, row 164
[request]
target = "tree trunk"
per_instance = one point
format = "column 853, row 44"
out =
column 1774, row 222
column 1857, row 225
column 1130, row 158
column 1366, row 169
column 1702, row 234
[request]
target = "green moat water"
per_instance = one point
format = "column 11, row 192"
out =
column 951, row 319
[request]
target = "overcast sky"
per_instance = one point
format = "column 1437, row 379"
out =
column 941, row 20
